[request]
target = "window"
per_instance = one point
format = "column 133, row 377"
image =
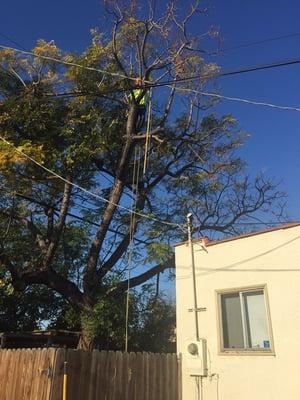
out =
column 244, row 320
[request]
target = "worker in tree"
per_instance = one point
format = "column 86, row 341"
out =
column 142, row 103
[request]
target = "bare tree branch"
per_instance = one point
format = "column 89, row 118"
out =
column 138, row 280
column 58, row 228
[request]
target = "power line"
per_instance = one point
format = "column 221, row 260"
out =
column 147, row 216
column 70, row 214
column 241, row 100
column 248, row 69
column 88, row 221
column 180, row 80
column 69, row 63
column 257, row 42
column 47, row 185
column 208, row 94
column 12, row 41
column 44, row 204
column 195, row 77
column 236, row 47
column 83, row 200
column 244, row 70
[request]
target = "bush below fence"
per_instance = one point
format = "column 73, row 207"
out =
column 37, row 374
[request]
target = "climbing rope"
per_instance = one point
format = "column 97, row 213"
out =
column 134, row 191
column 148, row 132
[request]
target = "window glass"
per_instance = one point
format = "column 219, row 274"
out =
column 244, row 320
column 256, row 320
column 232, row 321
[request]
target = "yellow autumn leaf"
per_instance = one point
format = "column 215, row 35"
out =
column 10, row 155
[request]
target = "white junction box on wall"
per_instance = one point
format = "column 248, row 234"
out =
column 196, row 357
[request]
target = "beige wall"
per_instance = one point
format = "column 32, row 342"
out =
column 271, row 259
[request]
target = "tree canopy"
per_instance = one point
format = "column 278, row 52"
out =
column 76, row 115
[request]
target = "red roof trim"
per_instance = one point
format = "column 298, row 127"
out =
column 246, row 235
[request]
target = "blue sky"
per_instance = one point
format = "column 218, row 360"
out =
column 275, row 140
column 275, row 135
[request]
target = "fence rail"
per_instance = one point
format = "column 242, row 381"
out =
column 37, row 374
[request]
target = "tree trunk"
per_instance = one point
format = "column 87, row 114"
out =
column 86, row 342
column 86, row 339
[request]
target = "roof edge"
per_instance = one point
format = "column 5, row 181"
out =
column 243, row 236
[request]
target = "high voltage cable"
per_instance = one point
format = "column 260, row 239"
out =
column 90, row 222
column 228, row 73
column 241, row 100
column 147, row 216
column 259, row 67
column 164, row 83
column 44, row 191
column 12, row 41
column 257, row 42
column 208, row 94
column 159, row 84
column 180, row 80
column 70, row 214
column 236, row 47
column 71, row 64
column 45, row 204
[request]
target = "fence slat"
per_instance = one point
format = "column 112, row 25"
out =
column 57, row 378
column 37, row 374
column 37, row 377
column 8, row 361
column 118, row 386
column 102, row 381
column 131, row 377
column 93, row 376
column 17, row 390
column 139, row 377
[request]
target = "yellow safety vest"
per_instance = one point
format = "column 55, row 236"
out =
column 136, row 93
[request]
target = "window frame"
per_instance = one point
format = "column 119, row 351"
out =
column 244, row 351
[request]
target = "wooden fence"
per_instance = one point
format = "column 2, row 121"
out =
column 37, row 374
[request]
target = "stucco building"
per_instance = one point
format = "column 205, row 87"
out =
column 248, row 297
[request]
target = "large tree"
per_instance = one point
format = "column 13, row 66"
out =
column 81, row 123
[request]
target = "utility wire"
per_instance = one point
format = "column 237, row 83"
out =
column 147, row 216
column 240, row 100
column 244, row 70
column 228, row 73
column 44, row 191
column 70, row 214
column 257, row 42
column 148, row 84
column 208, row 94
column 235, row 47
column 71, row 64
column 44, row 204
column 12, row 41
column 186, row 79
column 90, row 222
